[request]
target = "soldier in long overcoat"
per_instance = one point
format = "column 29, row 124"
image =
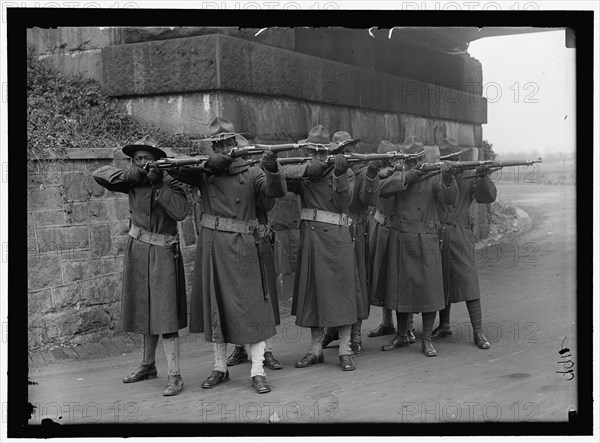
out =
column 378, row 250
column 364, row 195
column 458, row 244
column 154, row 299
column 414, row 272
column 266, row 249
column 324, row 286
column 230, row 294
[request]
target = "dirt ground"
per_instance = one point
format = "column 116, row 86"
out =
column 528, row 285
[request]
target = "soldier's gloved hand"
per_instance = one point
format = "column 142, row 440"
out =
column 482, row 171
column 155, row 176
column 269, row 161
column 447, row 173
column 412, row 176
column 373, row 168
column 341, row 165
column 218, row 162
column 315, row 169
column 134, row 175
column 386, row 172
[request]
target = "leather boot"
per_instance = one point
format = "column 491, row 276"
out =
column 174, row 385
column 143, row 372
column 398, row 341
column 174, row 379
column 329, row 335
column 480, row 340
column 428, row 348
column 239, row 355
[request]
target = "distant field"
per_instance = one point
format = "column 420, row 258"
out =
column 557, row 173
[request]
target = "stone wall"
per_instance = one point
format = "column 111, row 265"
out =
column 274, row 87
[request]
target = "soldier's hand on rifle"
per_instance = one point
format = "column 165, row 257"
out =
column 155, row 176
column 341, row 165
column 315, row 168
column 269, row 161
column 386, row 172
column 373, row 168
column 412, row 176
column 482, row 171
column 218, row 162
column 447, row 173
column 134, row 175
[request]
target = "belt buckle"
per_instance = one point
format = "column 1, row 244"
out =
column 216, row 223
column 139, row 233
column 314, row 214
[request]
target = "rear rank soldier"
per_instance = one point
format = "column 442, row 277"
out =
column 458, row 245
column 231, row 301
column 365, row 194
column 378, row 249
column 414, row 273
column 324, row 286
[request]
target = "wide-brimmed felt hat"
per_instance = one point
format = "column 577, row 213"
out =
column 242, row 141
column 450, row 148
column 413, row 145
column 318, row 139
column 146, row 143
column 343, row 140
column 221, row 129
column 387, row 146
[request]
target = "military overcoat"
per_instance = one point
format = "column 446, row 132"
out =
column 459, row 266
column 414, row 271
column 229, row 303
column 325, row 292
column 153, row 294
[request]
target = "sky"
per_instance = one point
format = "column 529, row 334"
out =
column 529, row 81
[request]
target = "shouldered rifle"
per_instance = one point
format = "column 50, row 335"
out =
column 352, row 158
column 490, row 164
column 260, row 149
column 165, row 163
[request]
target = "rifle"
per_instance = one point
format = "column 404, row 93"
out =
column 352, row 158
column 491, row 164
column 165, row 163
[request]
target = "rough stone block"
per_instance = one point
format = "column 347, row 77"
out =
column 110, row 345
column 66, row 296
column 77, row 186
column 139, row 69
column 69, row 352
column 49, row 218
column 477, row 135
column 253, row 68
column 100, row 240
column 44, row 198
column 39, row 302
column 88, row 63
column 101, row 290
column 59, row 354
column 92, row 319
column 43, row 271
column 119, row 245
column 62, row 238
column 119, row 228
column 69, row 39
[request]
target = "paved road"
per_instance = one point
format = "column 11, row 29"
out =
column 528, row 298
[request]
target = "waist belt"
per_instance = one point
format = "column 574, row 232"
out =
column 228, row 224
column 325, row 216
column 264, row 230
column 463, row 220
column 153, row 238
column 416, row 227
column 380, row 218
